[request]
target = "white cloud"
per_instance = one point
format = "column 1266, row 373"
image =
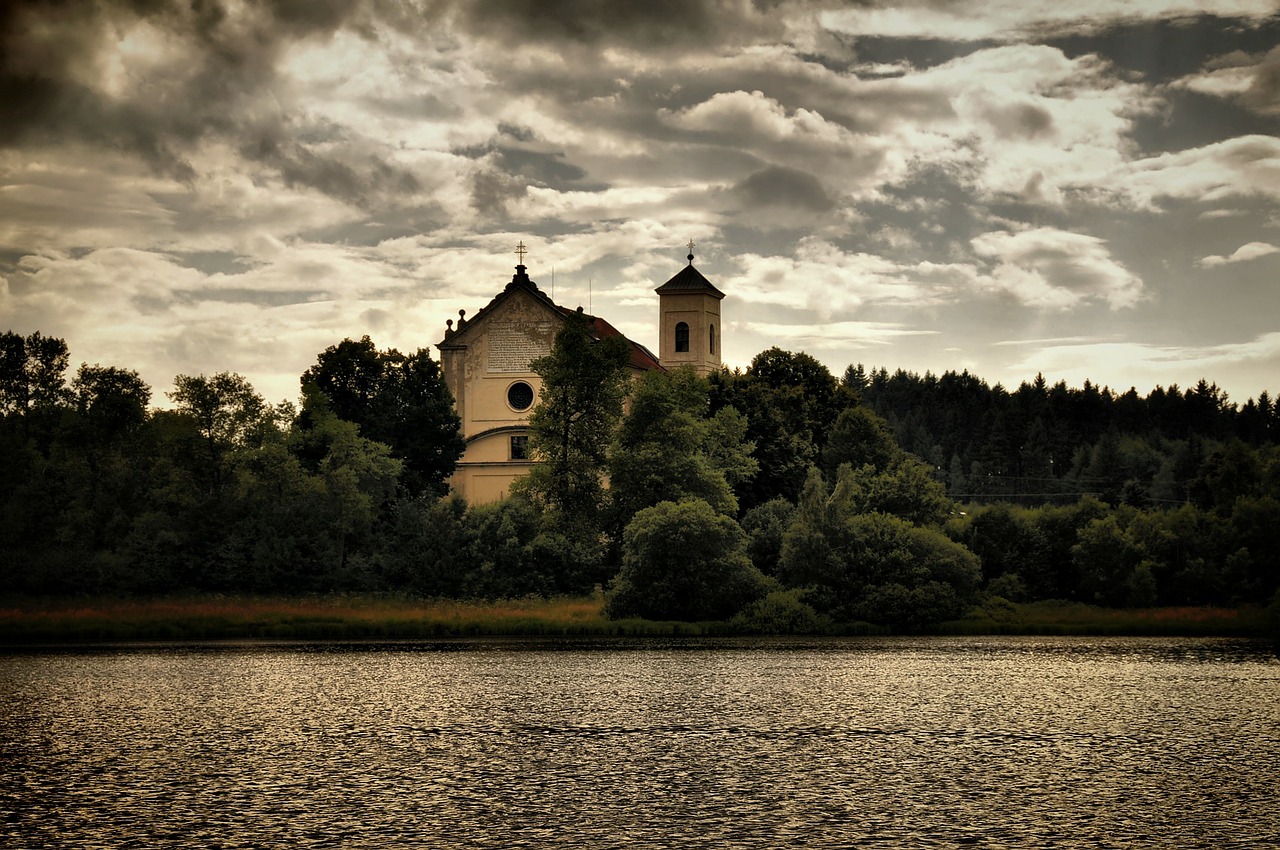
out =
column 1055, row 269
column 1253, row 81
column 827, row 281
column 740, row 114
column 1246, row 166
column 1036, row 124
column 1251, row 365
column 837, row 336
column 1244, row 253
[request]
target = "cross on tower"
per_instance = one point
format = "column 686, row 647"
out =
column 690, row 252
column 521, row 250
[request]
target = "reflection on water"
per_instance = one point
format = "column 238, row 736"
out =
column 986, row 742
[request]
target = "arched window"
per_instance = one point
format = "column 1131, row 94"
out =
column 711, row 335
column 682, row 336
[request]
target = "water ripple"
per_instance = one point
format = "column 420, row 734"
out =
column 922, row 743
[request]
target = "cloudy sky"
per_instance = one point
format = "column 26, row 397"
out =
column 1086, row 188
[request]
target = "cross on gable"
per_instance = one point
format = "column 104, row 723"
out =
column 521, row 250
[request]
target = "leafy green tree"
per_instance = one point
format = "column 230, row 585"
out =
column 359, row 477
column 846, row 556
column 110, row 401
column 906, row 490
column 228, row 414
column 31, row 372
column 860, row 438
column 766, row 526
column 1060, row 527
column 791, row 402
column 1227, row 474
column 1008, row 543
column 667, row 449
column 781, row 612
column 397, row 399
column 1106, row 558
column 1253, row 525
column 908, row 608
column 421, row 546
column 500, row 562
column 684, row 561
column 584, row 382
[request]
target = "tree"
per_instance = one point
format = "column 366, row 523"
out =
column 847, row 557
column 766, row 526
column 584, row 382
column 858, row 438
column 667, row 449
column 109, row 401
column 420, row 544
column 31, row 370
column 1105, row 558
column 791, row 402
column 227, row 413
column 1007, row 541
column 906, row 490
column 684, row 561
column 401, row 400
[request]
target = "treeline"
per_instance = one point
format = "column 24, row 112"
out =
column 1042, row 443
column 775, row 494
column 102, row 493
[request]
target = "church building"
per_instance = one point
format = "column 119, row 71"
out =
column 485, row 361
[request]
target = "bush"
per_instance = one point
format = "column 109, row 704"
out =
column 684, row 562
column 781, row 613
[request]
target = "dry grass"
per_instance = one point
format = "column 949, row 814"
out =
column 29, row 621
column 218, row 617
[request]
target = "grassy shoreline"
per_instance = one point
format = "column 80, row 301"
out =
column 212, row 618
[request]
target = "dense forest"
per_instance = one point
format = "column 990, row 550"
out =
column 777, row 493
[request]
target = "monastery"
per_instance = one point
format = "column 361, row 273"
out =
column 485, row 361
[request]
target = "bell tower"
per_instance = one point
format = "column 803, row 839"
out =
column 689, row 321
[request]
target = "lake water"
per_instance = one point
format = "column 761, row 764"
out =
column 932, row 742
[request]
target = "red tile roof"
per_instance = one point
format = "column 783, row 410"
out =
column 641, row 357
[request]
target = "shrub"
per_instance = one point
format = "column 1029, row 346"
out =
column 782, row 612
column 684, row 562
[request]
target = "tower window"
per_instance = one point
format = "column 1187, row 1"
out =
column 711, row 335
column 520, row 447
column 682, row 336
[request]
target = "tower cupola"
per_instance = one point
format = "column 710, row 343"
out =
column 689, row 321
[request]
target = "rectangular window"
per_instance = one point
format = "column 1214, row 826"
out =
column 520, row 447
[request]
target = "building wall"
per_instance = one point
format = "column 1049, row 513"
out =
column 481, row 361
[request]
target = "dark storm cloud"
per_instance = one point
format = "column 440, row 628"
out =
column 1264, row 92
column 655, row 24
column 520, row 153
column 492, row 190
column 777, row 186
column 1165, row 50
column 1023, row 120
column 52, row 57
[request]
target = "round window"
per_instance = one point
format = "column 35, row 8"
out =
column 520, row 395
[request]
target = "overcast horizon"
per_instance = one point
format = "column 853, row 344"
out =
column 1086, row 190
